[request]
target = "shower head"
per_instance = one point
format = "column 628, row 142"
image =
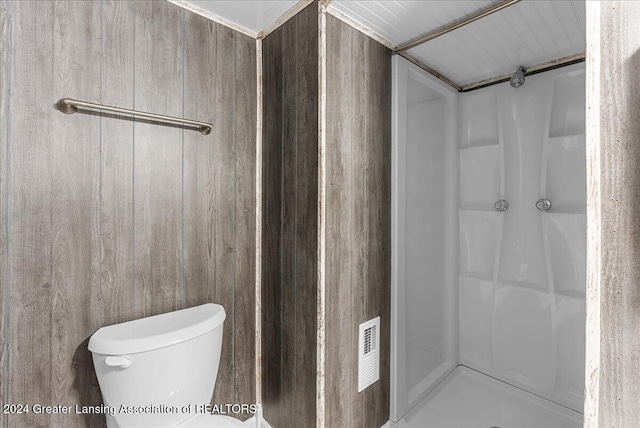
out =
column 517, row 79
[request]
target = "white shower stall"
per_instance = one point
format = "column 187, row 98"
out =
column 489, row 251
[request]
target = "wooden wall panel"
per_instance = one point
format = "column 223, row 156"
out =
column 245, row 239
column 99, row 206
column 75, row 206
column 4, row 30
column 219, row 194
column 271, row 207
column 290, row 200
column 29, row 211
column 209, row 164
column 339, row 361
column 613, row 270
column 117, row 146
column 158, row 159
column 358, row 210
column 53, row 200
column 306, row 219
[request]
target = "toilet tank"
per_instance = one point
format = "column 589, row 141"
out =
column 159, row 368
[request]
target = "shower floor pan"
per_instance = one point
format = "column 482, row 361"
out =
column 469, row 399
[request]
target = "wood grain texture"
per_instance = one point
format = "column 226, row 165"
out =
column 340, row 352
column 271, row 211
column 619, row 205
column 245, row 239
column 29, row 212
column 209, row 180
column 290, row 147
column 54, row 243
column 306, row 219
column 117, row 145
column 158, row 160
column 4, row 121
column 94, row 197
column 74, row 210
column 358, row 207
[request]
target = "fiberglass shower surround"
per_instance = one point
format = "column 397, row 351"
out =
column 522, row 271
column 510, row 302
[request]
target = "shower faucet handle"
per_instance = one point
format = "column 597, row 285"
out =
column 543, row 205
column 501, row 205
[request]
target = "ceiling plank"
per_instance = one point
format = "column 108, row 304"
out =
column 481, row 13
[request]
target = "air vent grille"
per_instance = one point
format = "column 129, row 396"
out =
column 368, row 353
column 369, row 339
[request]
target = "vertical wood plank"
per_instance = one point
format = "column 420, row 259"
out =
column 158, row 159
column 4, row 122
column 378, row 279
column 117, row 164
column 30, row 294
column 200, row 163
column 224, row 168
column 339, row 193
column 359, row 208
column 245, row 262
column 358, row 150
column 272, row 202
column 75, row 207
column 290, row 69
column 290, row 186
column 617, row 197
column 306, row 216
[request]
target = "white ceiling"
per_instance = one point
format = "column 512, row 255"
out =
column 254, row 15
column 528, row 33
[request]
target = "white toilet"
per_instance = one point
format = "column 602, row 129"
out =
column 160, row 368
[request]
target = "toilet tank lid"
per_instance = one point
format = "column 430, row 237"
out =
column 158, row 331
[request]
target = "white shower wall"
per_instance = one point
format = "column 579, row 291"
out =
column 424, row 235
column 522, row 271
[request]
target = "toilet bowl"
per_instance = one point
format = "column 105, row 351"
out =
column 160, row 371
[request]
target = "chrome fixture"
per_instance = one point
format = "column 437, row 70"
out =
column 501, row 205
column 543, row 205
column 517, row 79
column 70, row 106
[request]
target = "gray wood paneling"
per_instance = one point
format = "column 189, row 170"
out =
column 74, row 212
column 358, row 208
column 245, row 239
column 209, row 164
column 99, row 206
column 306, row 219
column 4, row 29
column 219, row 193
column 158, row 159
column 613, row 385
column 272, row 201
column 52, row 185
column 29, row 211
column 117, row 146
column 339, row 367
column 290, row 200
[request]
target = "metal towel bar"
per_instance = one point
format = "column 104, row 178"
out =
column 70, row 106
